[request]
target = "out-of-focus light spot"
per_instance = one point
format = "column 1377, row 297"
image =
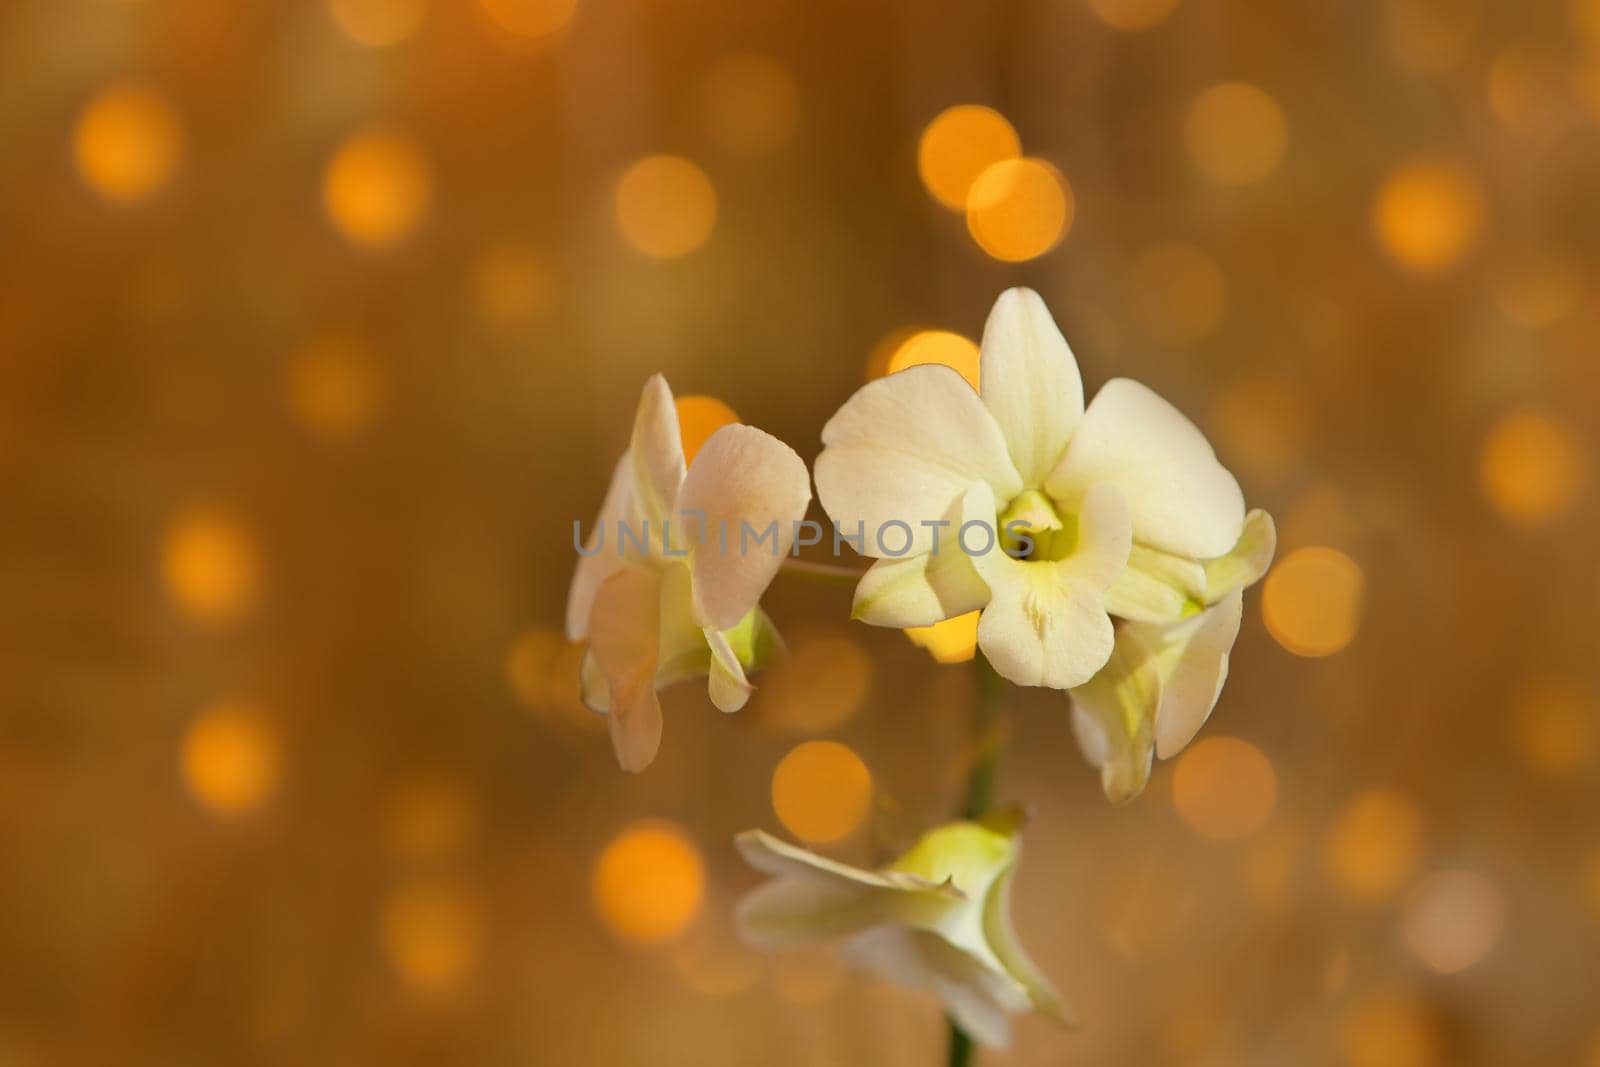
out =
column 378, row 23
column 1261, row 425
column 749, row 104
column 1236, row 133
column 232, row 759
column 1554, row 727
column 1019, row 209
column 1375, row 845
column 666, row 206
column 543, row 669
column 883, row 352
column 807, row 977
column 210, row 565
column 429, row 820
column 715, row 965
column 511, row 286
column 335, row 386
column 530, row 18
column 128, row 143
column 821, row 791
column 1453, row 919
column 819, row 687
column 951, row 641
column 1428, row 215
column 649, row 882
column 1538, row 287
column 1429, row 36
column 698, row 418
column 377, row 187
column 1132, row 14
column 432, row 933
column 1527, row 88
column 1531, row 468
column 1391, row 1030
column 938, row 346
column 1312, row 601
column 1177, row 293
column 958, row 145
column 1224, row 788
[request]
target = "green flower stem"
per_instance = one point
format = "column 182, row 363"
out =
column 987, row 738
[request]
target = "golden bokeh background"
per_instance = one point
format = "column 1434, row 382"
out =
column 321, row 321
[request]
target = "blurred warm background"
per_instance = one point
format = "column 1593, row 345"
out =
column 321, row 321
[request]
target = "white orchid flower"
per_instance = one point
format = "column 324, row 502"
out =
column 1166, row 671
column 921, row 449
column 679, row 600
column 938, row 918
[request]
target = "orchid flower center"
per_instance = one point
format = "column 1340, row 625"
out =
column 1033, row 517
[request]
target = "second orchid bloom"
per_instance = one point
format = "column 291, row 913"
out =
column 672, row 604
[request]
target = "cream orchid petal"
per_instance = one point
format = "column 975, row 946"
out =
column 977, row 997
column 1030, row 383
column 1182, row 500
column 791, row 912
column 605, row 551
column 683, row 652
column 593, row 688
column 1248, row 560
column 772, row 856
column 657, row 455
column 741, row 477
column 624, row 640
column 1046, row 621
column 1194, row 666
column 1007, row 948
column 902, row 450
column 1114, row 715
column 727, row 684
column 1157, row 587
column 919, row 590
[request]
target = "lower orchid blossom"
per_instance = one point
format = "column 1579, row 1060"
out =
column 1178, row 621
column 1016, row 499
column 938, row 918
column 680, row 602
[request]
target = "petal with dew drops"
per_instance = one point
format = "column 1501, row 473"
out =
column 624, row 641
column 1046, row 622
column 1030, row 383
column 903, row 449
column 657, row 452
column 1113, row 717
column 741, row 476
column 1182, row 500
column 606, row 555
